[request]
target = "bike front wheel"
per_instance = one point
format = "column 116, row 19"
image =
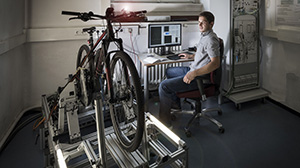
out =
column 127, row 109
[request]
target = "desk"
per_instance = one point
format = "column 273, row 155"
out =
column 162, row 60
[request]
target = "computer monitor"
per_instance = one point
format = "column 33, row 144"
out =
column 164, row 35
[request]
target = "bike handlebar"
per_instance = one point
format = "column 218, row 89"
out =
column 110, row 15
column 70, row 13
column 82, row 16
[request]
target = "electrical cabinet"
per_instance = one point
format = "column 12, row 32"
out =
column 242, row 69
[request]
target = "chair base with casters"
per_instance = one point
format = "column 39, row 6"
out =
column 197, row 112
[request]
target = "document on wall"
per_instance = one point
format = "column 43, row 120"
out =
column 288, row 12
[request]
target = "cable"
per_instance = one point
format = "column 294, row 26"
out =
column 261, row 52
column 18, row 127
column 127, row 50
column 54, row 108
column 132, row 47
column 41, row 120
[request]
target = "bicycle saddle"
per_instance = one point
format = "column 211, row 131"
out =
column 90, row 29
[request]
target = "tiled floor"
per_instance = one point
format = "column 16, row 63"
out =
column 258, row 135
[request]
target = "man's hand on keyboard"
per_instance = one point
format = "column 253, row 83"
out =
column 186, row 55
column 183, row 56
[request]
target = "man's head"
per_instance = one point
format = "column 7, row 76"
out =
column 206, row 21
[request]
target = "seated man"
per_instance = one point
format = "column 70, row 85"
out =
column 181, row 79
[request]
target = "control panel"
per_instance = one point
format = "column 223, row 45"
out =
column 245, row 44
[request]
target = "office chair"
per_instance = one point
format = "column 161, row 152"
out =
column 206, row 88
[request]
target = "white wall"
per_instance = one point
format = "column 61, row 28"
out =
column 280, row 67
column 14, row 74
column 281, row 71
column 12, row 18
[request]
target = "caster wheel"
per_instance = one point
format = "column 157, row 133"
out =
column 188, row 133
column 221, row 130
column 220, row 113
column 263, row 100
column 238, row 106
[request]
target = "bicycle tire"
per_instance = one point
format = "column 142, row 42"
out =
column 128, row 105
column 84, row 80
column 83, row 49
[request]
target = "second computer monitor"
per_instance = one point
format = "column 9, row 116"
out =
column 163, row 35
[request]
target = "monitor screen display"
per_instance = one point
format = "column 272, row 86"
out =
column 160, row 35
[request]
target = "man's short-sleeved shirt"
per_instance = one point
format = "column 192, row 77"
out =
column 207, row 47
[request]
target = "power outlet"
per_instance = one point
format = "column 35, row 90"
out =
column 80, row 33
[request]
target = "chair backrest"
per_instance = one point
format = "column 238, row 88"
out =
column 215, row 80
column 217, row 74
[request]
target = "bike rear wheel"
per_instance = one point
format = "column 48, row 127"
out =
column 84, row 85
column 128, row 103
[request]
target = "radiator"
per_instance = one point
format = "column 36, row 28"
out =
column 156, row 73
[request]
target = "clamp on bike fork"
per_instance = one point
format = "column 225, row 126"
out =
column 100, row 130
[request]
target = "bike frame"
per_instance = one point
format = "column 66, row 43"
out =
column 106, row 37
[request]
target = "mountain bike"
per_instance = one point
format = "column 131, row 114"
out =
column 113, row 74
